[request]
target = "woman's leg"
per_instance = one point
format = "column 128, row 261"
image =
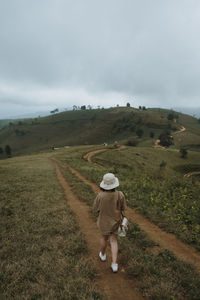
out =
column 103, row 243
column 114, row 247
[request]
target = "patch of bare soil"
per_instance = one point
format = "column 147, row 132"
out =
column 114, row 285
column 192, row 173
column 164, row 239
column 182, row 128
column 157, row 145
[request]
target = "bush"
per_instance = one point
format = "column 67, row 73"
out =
column 183, row 152
column 131, row 142
column 139, row 132
column 152, row 134
column 8, row 150
column 166, row 139
column 163, row 165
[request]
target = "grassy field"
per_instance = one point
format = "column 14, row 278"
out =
column 159, row 274
column 43, row 253
column 152, row 181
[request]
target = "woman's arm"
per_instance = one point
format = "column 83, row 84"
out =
column 96, row 204
column 122, row 201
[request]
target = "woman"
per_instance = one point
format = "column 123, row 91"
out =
column 107, row 204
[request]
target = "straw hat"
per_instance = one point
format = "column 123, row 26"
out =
column 109, row 182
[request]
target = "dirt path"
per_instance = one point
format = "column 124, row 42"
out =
column 182, row 128
column 192, row 173
column 164, row 239
column 157, row 145
column 115, row 286
column 89, row 155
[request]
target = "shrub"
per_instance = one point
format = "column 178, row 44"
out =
column 131, row 142
column 183, row 152
column 163, row 165
column 8, row 150
column 139, row 132
column 166, row 139
column 151, row 134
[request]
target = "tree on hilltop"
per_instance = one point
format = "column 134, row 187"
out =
column 8, row 150
column 54, row 111
column 170, row 116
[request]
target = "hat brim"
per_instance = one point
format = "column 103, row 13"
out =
column 108, row 187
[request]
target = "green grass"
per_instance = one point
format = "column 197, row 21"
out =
column 160, row 193
column 159, row 275
column 43, row 253
column 163, row 195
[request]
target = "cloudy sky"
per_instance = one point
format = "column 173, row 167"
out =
column 60, row 53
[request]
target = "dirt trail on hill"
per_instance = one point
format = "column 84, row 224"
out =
column 164, row 239
column 157, row 145
column 192, row 173
column 182, row 128
column 89, row 155
column 115, row 286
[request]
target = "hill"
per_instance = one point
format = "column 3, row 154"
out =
column 97, row 126
column 4, row 123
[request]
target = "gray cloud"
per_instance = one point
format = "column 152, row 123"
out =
column 73, row 51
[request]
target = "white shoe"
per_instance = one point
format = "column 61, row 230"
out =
column 114, row 267
column 102, row 257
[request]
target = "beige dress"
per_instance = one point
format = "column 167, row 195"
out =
column 106, row 203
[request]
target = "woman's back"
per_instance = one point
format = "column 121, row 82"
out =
column 106, row 203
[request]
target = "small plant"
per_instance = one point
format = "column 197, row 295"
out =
column 163, row 165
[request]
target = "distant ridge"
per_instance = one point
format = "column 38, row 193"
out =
column 28, row 115
column 193, row 111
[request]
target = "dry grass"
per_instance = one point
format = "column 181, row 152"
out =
column 43, row 253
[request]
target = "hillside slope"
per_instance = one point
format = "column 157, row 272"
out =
column 96, row 127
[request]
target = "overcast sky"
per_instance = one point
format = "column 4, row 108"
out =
column 60, row 53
